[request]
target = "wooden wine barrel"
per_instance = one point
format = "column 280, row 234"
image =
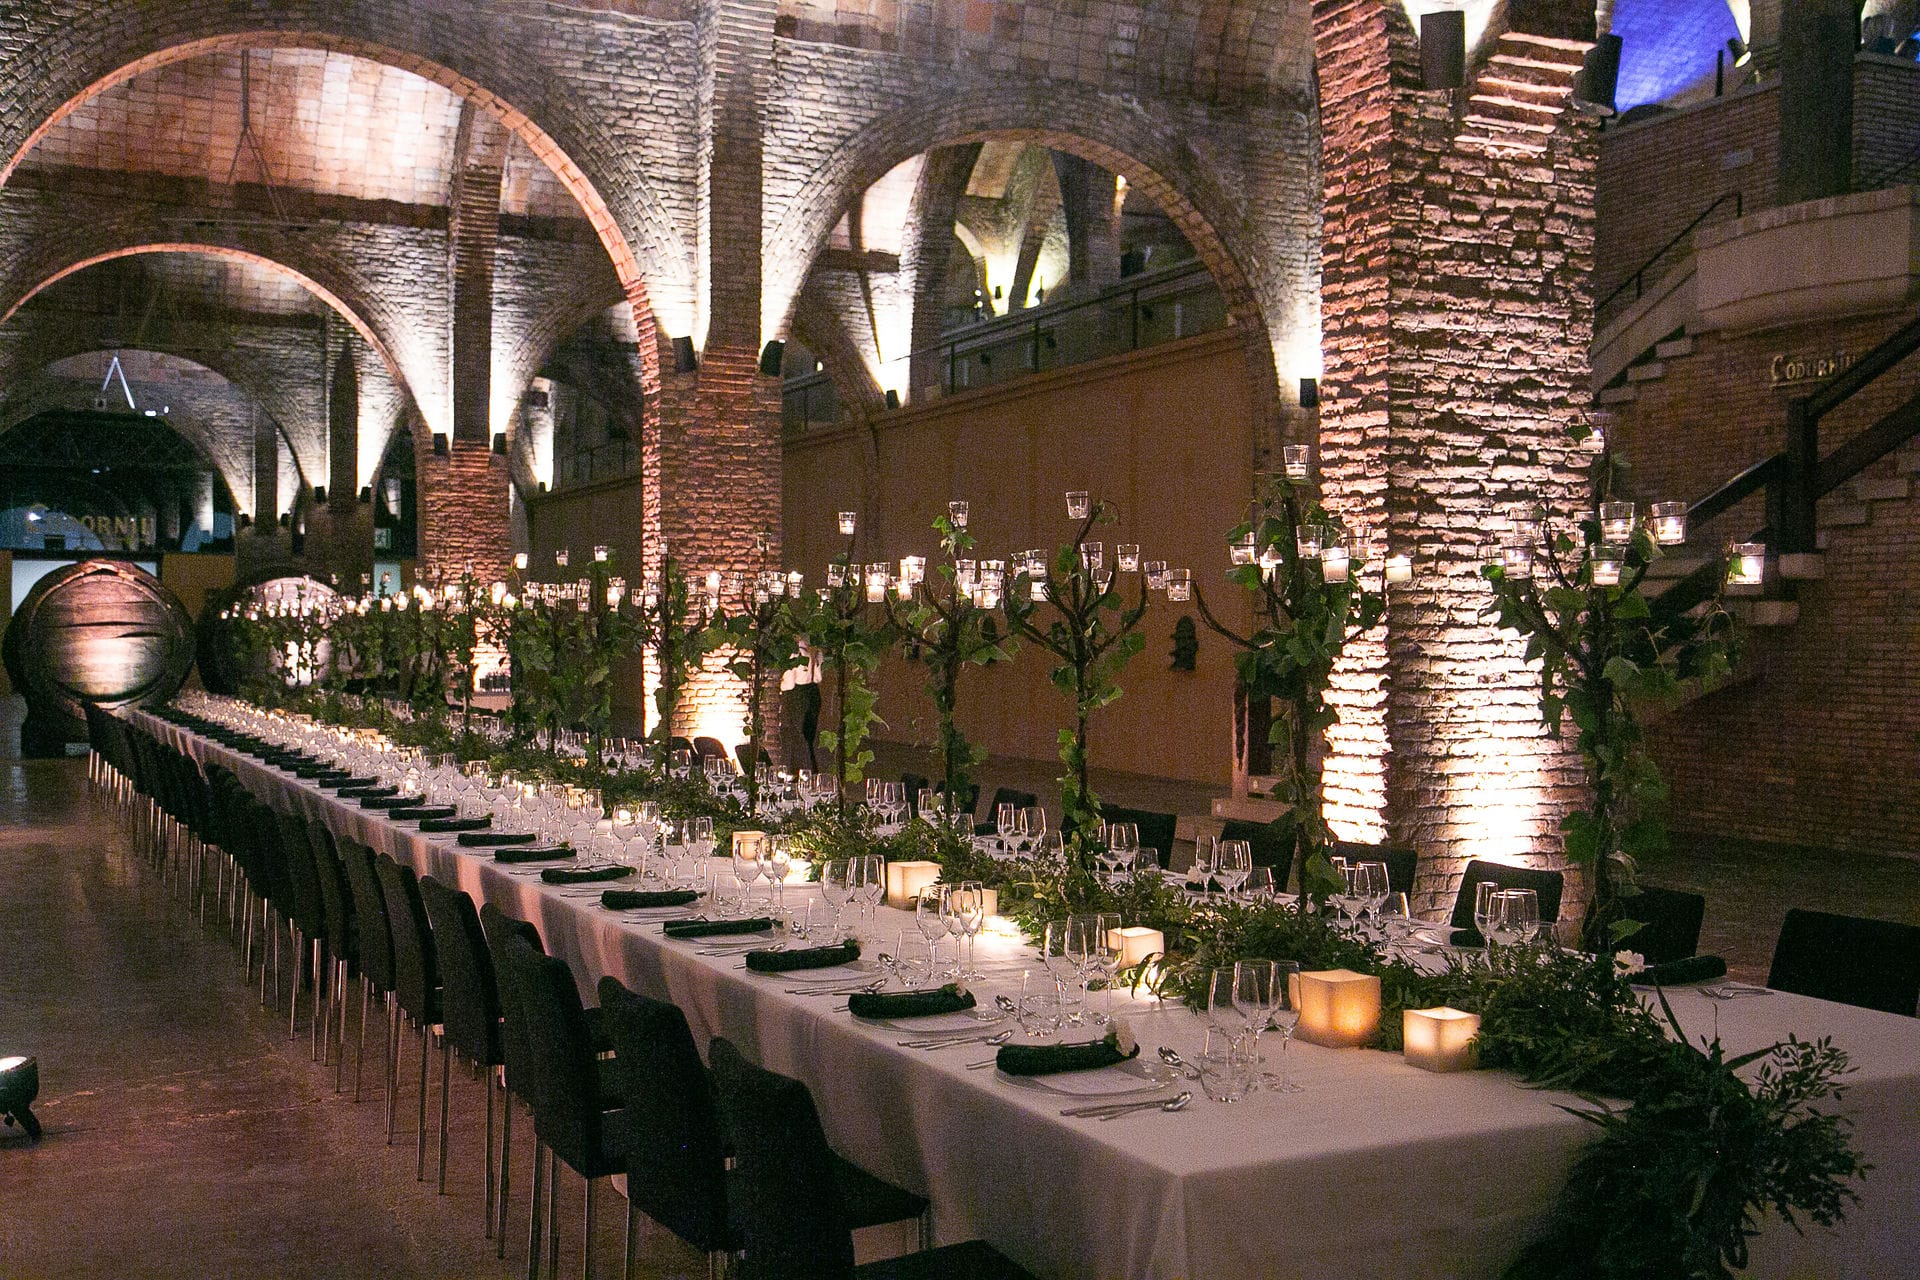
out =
column 101, row 631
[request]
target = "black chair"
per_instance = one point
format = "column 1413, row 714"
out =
column 572, row 1119
column 1156, row 829
column 416, row 978
column 336, row 901
column 1669, row 923
column 307, row 918
column 373, row 945
column 1547, row 884
column 469, row 1005
column 1271, row 846
column 1874, row 964
column 1401, row 862
column 676, row 1158
column 1005, row 795
column 707, row 748
column 913, row 784
column 778, row 1145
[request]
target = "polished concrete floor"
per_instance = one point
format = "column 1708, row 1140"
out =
column 186, row 1134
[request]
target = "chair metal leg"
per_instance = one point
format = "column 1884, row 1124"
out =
column 506, row 1164
column 319, row 1020
column 490, row 1172
column 420, row 1135
column 633, row 1231
column 446, row 1071
column 553, row 1214
column 533, row 1216
column 366, row 991
column 586, row 1234
column 393, row 1059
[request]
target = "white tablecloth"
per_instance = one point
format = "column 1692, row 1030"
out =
column 1376, row 1169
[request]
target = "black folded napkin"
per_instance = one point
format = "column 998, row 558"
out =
column 1678, row 973
column 805, row 958
column 910, row 1004
column 430, row 826
column 351, row 783
column 362, row 793
column 629, row 899
column 534, row 853
column 583, row 875
column 391, row 802
column 310, row 770
column 488, row 839
column 1046, row 1059
column 418, row 812
column 716, row 928
column 333, row 778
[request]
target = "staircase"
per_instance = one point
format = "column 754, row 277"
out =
column 1517, row 102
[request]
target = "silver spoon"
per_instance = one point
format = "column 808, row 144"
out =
column 1178, row 1102
column 1172, row 1058
column 954, row 1042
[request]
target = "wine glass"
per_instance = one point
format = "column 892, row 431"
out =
column 1373, row 886
column 775, row 861
column 1200, row 871
column 1057, row 961
column 1232, row 864
column 871, row 885
column 969, row 901
column 746, row 867
column 1033, row 826
column 1352, row 894
column 1006, row 818
column 836, row 883
column 1260, row 884
column 930, row 916
column 1124, row 839
column 1283, row 1015
column 1395, row 917
column 1483, row 908
column 1516, row 915
column 1254, row 983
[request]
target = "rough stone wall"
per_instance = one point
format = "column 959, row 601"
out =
column 463, row 509
column 1457, row 313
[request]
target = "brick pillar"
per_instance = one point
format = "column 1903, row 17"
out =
column 1087, row 194
column 718, row 471
column 1457, row 314
column 463, row 509
column 345, row 546
column 473, row 231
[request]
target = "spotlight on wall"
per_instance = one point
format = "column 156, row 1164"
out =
column 19, row 1086
column 893, row 398
column 771, row 357
column 366, row 494
column 1309, row 393
column 1593, row 88
column 319, row 495
column 683, row 361
column 500, row 443
column 1443, row 49
column 440, row 445
column 1737, row 50
column 286, row 521
column 242, row 521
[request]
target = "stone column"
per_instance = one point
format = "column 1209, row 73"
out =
column 1457, row 314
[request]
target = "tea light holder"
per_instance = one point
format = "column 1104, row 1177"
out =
column 1516, row 558
column 1606, row 566
column 1746, row 564
column 1240, row 550
column 1669, row 521
column 1334, row 563
column 519, row 562
column 1127, row 556
column 743, row 841
column 1136, row 944
column 600, row 553
column 906, row 881
column 1297, row 459
column 957, row 514
column 1616, row 522
column 1079, row 502
column 1338, row 1007
column 1179, row 584
column 1399, row 569
column 1440, row 1039
column 561, row 557
column 846, row 524
column 1307, row 540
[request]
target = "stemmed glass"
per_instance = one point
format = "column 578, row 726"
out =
column 1006, row 820
column 870, row 884
column 1260, row 884
column 1483, row 910
column 746, row 868
column 1227, row 1077
column 1373, row 885
column 1055, row 955
column 969, row 906
column 1283, row 1015
column 776, row 860
column 1033, row 827
column 835, row 885
column 1514, row 916
column 1232, row 864
column 930, row 918
column 1395, row 918
column 1353, row 895
column 1200, row 872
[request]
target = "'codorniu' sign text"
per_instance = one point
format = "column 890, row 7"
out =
column 1788, row 370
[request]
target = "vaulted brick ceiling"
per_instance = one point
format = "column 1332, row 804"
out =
column 155, row 286
column 327, row 123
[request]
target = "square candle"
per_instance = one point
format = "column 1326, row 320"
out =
column 1440, row 1039
column 1338, row 1007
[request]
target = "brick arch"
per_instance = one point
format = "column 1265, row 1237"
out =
column 559, row 313
column 66, row 256
column 100, row 52
column 1114, row 133
column 41, row 392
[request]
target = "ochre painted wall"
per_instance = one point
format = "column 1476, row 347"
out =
column 1165, row 434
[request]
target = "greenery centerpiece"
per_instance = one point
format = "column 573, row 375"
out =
column 836, row 625
column 1091, row 632
column 1303, row 571
column 673, row 627
column 1575, row 590
column 762, row 636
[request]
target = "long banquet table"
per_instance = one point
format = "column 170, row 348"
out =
column 1375, row 1169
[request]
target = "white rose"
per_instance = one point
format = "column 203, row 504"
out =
column 1123, row 1037
column 1629, row 962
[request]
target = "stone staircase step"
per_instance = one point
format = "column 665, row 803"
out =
column 1501, row 124
column 1765, row 613
column 1881, row 488
column 1673, row 349
column 1509, row 86
column 1618, row 395
column 1647, row 372
column 1504, row 144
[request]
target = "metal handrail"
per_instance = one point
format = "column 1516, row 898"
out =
column 1638, row 278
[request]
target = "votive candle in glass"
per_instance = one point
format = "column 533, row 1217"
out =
column 561, row 557
column 1156, row 571
column 600, row 553
column 1307, row 541
column 1746, row 564
column 1240, row 550
column 846, row 524
column 1079, row 502
column 1669, row 523
column 1399, row 569
column 1517, row 559
column 519, row 561
column 1128, row 556
column 1616, row 522
column 1297, row 459
column 1606, row 566
column 957, row 514
column 1334, row 562
column 1179, row 584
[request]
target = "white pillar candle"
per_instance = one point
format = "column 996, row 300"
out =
column 1333, row 564
column 1440, row 1039
column 906, row 881
column 1136, row 943
column 1399, row 569
column 1338, row 1007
